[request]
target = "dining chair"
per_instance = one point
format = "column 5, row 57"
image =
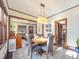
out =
column 31, row 48
column 48, row 48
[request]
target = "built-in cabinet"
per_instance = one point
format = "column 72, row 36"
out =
column 18, row 40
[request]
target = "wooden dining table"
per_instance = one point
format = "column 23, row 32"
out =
column 39, row 41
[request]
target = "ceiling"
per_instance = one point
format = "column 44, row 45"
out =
column 33, row 7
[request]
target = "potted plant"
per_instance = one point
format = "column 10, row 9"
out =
column 77, row 48
column 77, row 43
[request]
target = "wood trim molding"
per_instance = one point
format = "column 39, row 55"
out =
column 24, row 23
column 8, row 26
column 2, row 5
column 69, row 48
column 64, row 11
column 64, row 19
column 48, row 16
column 43, row 29
column 19, row 11
column 22, row 18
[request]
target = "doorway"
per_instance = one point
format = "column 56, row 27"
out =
column 61, row 32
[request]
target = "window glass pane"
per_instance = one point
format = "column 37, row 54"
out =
column 22, row 29
column 46, row 25
column 49, row 25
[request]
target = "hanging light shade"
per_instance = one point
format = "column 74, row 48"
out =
column 42, row 19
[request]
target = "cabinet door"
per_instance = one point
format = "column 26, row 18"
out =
column 18, row 41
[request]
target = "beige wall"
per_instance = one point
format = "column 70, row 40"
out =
column 14, row 13
column 22, row 22
column 72, row 25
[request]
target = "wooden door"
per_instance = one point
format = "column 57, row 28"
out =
column 58, row 33
column 59, row 41
column 61, row 32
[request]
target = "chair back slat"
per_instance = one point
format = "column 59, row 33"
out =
column 50, row 43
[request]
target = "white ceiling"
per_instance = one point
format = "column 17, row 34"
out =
column 33, row 6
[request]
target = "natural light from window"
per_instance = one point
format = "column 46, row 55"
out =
column 71, row 53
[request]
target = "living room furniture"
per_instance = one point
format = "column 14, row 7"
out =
column 18, row 40
column 12, row 45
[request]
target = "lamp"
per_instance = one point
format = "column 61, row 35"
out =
column 42, row 19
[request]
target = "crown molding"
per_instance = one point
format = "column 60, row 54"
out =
column 21, row 18
column 18, row 10
column 48, row 16
column 63, row 11
column 2, row 5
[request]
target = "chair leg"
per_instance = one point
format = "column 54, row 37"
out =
column 52, row 53
column 28, row 52
column 31, row 54
column 47, row 55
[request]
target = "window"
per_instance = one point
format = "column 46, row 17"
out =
column 48, row 27
column 21, row 29
column 3, row 28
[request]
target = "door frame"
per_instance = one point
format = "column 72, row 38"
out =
column 65, row 42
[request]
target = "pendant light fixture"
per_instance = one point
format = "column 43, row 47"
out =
column 42, row 19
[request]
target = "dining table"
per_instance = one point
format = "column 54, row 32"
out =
column 39, row 41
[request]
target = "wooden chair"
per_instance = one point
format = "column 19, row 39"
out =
column 49, row 47
column 31, row 49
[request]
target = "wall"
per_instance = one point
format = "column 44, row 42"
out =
column 39, row 28
column 72, row 24
column 15, row 22
column 14, row 13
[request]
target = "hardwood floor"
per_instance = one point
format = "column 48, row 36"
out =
column 59, row 53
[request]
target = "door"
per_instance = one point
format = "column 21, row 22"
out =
column 61, row 33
